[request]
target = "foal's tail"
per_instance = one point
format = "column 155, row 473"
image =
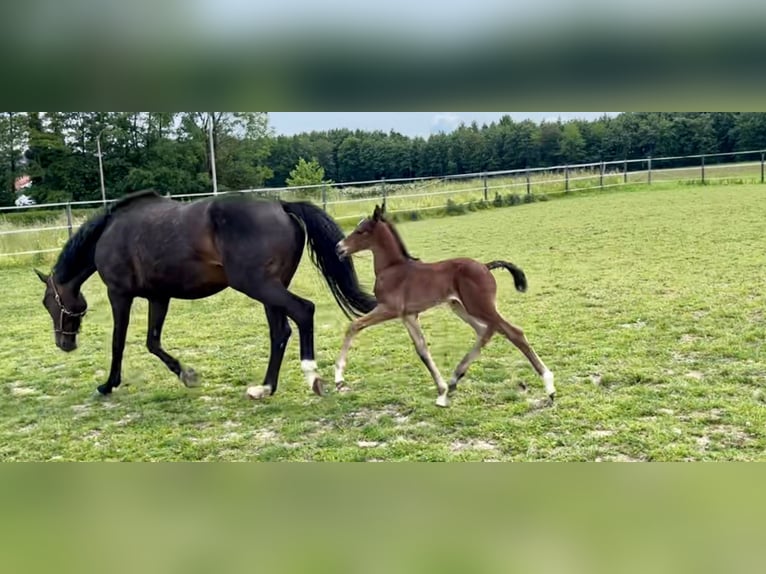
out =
column 323, row 236
column 519, row 279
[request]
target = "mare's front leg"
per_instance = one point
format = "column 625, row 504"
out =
column 378, row 315
column 121, row 305
column 158, row 310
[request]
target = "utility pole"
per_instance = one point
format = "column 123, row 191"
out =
column 212, row 152
column 101, row 167
column 13, row 156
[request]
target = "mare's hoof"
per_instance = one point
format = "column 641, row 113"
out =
column 318, row 387
column 258, row 392
column 523, row 387
column 189, row 378
column 442, row 401
column 452, row 388
column 104, row 390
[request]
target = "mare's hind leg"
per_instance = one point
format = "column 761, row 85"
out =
column 378, row 315
column 483, row 336
column 279, row 333
column 416, row 333
column 158, row 310
column 274, row 294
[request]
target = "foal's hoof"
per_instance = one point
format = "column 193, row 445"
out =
column 258, row 392
column 189, row 378
column 318, row 387
column 342, row 387
column 452, row 388
column 104, row 390
column 551, row 398
column 442, row 401
column 523, row 387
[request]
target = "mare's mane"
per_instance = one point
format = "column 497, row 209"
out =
column 79, row 251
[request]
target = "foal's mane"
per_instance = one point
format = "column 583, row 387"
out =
column 398, row 238
column 78, row 252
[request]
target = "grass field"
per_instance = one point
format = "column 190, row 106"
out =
column 647, row 305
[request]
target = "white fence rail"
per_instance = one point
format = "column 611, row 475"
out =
column 480, row 186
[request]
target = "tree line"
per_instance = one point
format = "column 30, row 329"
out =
column 170, row 151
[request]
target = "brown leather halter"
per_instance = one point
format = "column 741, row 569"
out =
column 64, row 311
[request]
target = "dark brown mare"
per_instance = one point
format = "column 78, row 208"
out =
column 152, row 247
column 405, row 287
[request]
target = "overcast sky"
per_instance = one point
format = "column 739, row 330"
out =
column 407, row 123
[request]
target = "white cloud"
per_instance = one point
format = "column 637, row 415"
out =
column 445, row 122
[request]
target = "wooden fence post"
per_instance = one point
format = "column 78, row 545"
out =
column 703, row 169
column 484, row 179
column 649, row 176
column 566, row 178
column 529, row 184
column 69, row 218
column 383, row 187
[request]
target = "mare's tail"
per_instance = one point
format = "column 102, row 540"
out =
column 323, row 236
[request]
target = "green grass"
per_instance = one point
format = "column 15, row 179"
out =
column 647, row 305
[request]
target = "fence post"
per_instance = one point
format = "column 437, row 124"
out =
column 529, row 186
column 383, row 187
column 69, row 218
column 324, row 198
column 649, row 176
column 601, row 175
column 484, row 179
column 703, row 169
column 566, row 178
column 625, row 170
column 762, row 153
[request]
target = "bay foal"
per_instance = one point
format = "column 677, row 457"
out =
column 405, row 287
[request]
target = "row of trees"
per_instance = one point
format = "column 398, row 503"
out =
column 169, row 151
column 507, row 144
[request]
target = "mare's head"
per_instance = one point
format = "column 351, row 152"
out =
column 66, row 309
column 364, row 236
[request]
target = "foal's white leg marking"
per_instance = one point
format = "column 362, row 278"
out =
column 309, row 369
column 341, row 364
column 258, row 391
column 548, row 382
column 339, row 367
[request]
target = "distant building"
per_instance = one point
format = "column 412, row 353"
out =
column 22, row 182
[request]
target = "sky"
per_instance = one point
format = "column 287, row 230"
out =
column 408, row 123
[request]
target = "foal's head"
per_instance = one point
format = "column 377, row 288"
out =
column 363, row 237
column 370, row 232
